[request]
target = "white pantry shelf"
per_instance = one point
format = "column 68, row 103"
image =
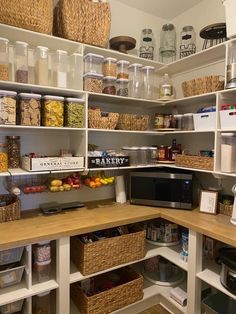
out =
column 22, row 172
column 41, row 128
column 192, row 100
column 150, row 132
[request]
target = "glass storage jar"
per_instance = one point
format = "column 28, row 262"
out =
column 53, row 111
column 109, row 67
column 143, row 155
column 122, row 69
column 42, row 270
column 187, row 41
column 74, row 112
column 93, row 82
column 152, row 155
column 122, row 87
column 148, row 82
column 132, row 152
column 75, row 72
column 188, row 122
column 41, row 65
column 3, row 158
column 41, row 303
column 93, row 63
column 147, row 47
column 29, row 109
column 168, row 43
column 4, row 59
column 135, row 80
column 179, row 121
column 7, row 107
column 109, row 85
column 21, row 62
column 42, row 251
column 13, row 150
column 59, row 68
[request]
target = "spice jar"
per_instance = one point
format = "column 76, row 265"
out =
column 4, row 59
column 42, row 251
column 93, row 63
column 122, row 87
column 59, row 68
column 75, row 72
column 41, row 303
column 122, row 69
column 29, row 109
column 163, row 153
column 93, row 82
column 109, row 67
column 109, row 85
column 3, row 158
column 135, row 80
column 21, row 62
column 148, row 82
column 159, row 121
column 188, row 122
column 7, row 107
column 74, row 113
column 41, row 65
column 13, row 149
column 143, row 155
column 53, row 111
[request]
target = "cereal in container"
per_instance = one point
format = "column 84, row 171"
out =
column 7, row 107
column 29, row 109
column 53, row 111
column 4, row 59
column 109, row 67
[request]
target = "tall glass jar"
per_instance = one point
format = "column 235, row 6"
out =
column 147, row 47
column 21, row 62
column 13, row 148
column 4, row 59
column 75, row 71
column 41, row 65
column 187, row 42
column 59, row 68
column 168, row 43
column 135, row 80
column 148, row 82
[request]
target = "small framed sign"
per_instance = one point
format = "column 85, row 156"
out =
column 208, row 202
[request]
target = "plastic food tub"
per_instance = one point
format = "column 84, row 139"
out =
column 12, row 307
column 11, row 276
column 11, row 255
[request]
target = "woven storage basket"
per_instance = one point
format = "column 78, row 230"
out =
column 93, row 257
column 112, row 299
column 83, row 21
column 102, row 120
column 33, row 15
column 133, row 122
column 11, row 211
column 202, row 85
column 197, row 162
column 225, row 209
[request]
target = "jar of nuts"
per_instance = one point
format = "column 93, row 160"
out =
column 29, row 109
column 109, row 67
column 7, row 107
column 4, row 59
column 109, row 85
column 21, row 62
column 122, row 69
column 53, row 111
column 93, row 82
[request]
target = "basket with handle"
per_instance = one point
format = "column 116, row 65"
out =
column 11, row 210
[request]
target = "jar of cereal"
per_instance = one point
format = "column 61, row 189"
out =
column 29, row 109
column 109, row 67
column 74, row 112
column 53, row 111
column 122, row 69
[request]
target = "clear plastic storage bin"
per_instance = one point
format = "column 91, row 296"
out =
column 21, row 62
column 122, row 88
column 53, row 111
column 59, row 68
column 7, row 107
column 135, row 80
column 41, row 65
column 29, row 110
column 143, row 155
column 132, row 152
column 42, row 270
column 93, row 63
column 11, row 255
column 42, row 251
column 4, row 59
column 74, row 112
column 109, row 67
column 148, row 82
column 109, row 85
column 93, row 82
column 11, row 308
column 75, row 72
column 122, row 69
column 41, row 303
column 11, row 276
column 228, row 152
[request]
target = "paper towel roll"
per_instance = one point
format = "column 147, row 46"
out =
column 120, row 189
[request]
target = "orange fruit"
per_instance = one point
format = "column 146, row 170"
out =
column 86, row 181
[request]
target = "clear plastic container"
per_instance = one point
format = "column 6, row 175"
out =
column 152, row 155
column 41, row 65
column 135, row 80
column 59, row 68
column 228, row 152
column 132, row 152
column 3, row 164
column 11, row 255
column 29, row 109
column 122, row 87
column 188, row 122
column 148, row 82
column 42, row 270
column 21, row 62
column 143, row 155
column 74, row 112
column 7, row 107
column 75, row 72
column 93, row 63
column 11, row 308
column 4, row 59
column 109, row 67
column 93, row 82
column 122, row 69
column 13, row 149
column 53, row 111
column 42, row 251
column 179, row 121
column 11, row 275
column 41, row 303
column 109, row 85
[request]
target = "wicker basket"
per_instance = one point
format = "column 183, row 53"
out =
column 102, row 120
column 96, row 256
column 198, row 162
column 110, row 300
column 202, row 85
column 11, row 211
column 33, row 15
column 225, row 209
column 83, row 21
column 133, row 122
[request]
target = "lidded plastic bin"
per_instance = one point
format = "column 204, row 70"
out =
column 29, row 109
column 41, row 303
column 188, row 122
column 7, row 107
column 122, row 69
column 148, row 82
column 93, row 82
column 21, row 62
column 109, row 85
column 11, row 255
column 42, row 251
column 93, row 63
column 42, row 270
column 143, row 155
column 41, row 65
column 228, row 152
column 53, row 111
column 74, row 112
column 122, row 88
column 75, row 71
column 59, row 68
column 4, row 59
column 109, row 67
column 135, row 80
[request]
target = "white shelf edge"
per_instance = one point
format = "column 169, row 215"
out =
column 195, row 97
column 22, row 172
column 159, row 133
column 25, row 127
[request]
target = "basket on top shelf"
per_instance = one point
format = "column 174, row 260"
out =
column 198, row 162
column 133, row 122
column 32, row 15
column 202, row 85
column 9, row 207
column 98, row 119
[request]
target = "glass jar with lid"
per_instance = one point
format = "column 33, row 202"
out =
column 122, row 87
column 143, row 155
column 93, row 63
column 147, row 47
column 7, row 107
column 135, row 80
column 123, row 69
column 109, row 67
column 132, row 152
column 53, row 111
column 74, row 112
column 3, row 158
column 187, row 41
column 13, row 149
column 76, row 71
column 188, row 123
column 109, row 85
column 4, row 59
column 59, row 68
column 41, row 65
column 148, row 82
column 179, row 121
column 29, row 109
column 168, row 43
column 21, row 62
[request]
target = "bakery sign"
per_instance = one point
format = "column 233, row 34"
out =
column 108, row 161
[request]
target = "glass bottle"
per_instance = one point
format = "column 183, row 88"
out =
column 41, row 65
column 135, row 80
column 148, row 82
column 13, row 148
column 147, row 47
column 187, row 41
column 59, row 68
column 166, row 88
column 168, row 43
column 21, row 62
column 4, row 59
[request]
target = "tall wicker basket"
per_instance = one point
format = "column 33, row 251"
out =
column 10, row 211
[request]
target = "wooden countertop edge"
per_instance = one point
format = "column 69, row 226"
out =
column 35, row 227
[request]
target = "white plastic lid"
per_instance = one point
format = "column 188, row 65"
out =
column 22, row 43
column 42, row 48
column 138, row 65
column 43, row 294
column 228, row 134
column 130, row 148
column 122, row 80
column 62, row 51
column 110, row 59
column 79, row 100
column 178, row 115
column 45, row 263
column 4, row 39
column 152, row 148
column 49, row 97
column 123, row 62
column 144, row 148
column 95, row 75
column 109, row 78
column 7, row 93
column 28, row 95
column 148, row 67
column 44, row 242
column 188, row 114
column 93, row 55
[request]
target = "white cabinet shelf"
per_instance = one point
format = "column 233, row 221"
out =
column 41, row 128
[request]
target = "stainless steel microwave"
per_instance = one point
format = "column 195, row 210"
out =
column 163, row 189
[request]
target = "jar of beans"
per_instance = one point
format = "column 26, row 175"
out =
column 122, row 87
column 109, row 85
column 13, row 148
column 93, row 82
column 3, row 158
column 122, row 69
column 42, row 251
column 109, row 67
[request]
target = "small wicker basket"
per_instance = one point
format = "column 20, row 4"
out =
column 225, row 209
column 102, row 120
column 10, row 211
column 198, row 162
column 133, row 122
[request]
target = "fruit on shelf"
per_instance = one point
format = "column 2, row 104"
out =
column 56, row 182
column 97, row 181
column 65, row 184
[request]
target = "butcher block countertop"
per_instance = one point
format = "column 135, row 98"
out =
column 35, row 227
